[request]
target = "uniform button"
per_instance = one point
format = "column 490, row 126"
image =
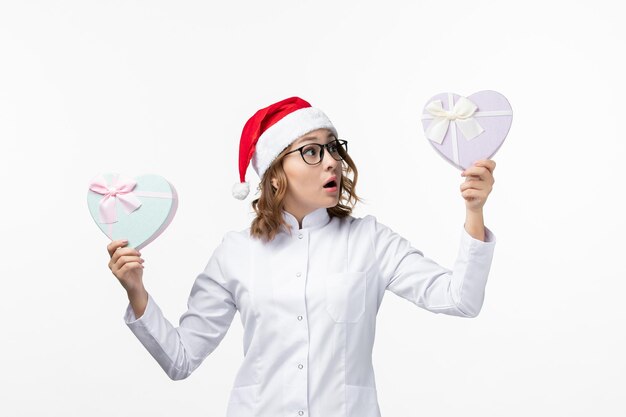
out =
column 300, row 366
column 298, row 274
column 301, row 412
column 299, row 317
column 300, row 236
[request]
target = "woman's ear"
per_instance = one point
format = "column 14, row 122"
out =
column 275, row 183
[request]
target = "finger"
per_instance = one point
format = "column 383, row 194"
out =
column 114, row 245
column 475, row 186
column 119, row 264
column 480, row 172
column 487, row 163
column 472, row 185
column 482, row 167
column 128, row 258
column 476, row 172
column 475, row 178
column 130, row 265
column 119, row 252
column 472, row 194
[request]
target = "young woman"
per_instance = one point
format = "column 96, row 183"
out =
column 307, row 278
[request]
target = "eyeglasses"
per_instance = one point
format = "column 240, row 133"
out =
column 313, row 153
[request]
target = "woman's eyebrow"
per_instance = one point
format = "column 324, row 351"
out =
column 309, row 138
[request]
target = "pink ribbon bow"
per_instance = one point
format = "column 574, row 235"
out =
column 120, row 190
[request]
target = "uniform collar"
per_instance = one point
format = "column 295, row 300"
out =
column 317, row 218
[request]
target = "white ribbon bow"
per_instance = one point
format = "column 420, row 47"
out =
column 461, row 115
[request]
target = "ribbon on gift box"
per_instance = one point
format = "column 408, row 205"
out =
column 462, row 115
column 120, row 190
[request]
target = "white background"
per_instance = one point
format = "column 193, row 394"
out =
column 165, row 87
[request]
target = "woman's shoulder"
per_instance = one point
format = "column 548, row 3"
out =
column 369, row 225
column 368, row 221
column 236, row 237
column 359, row 227
column 233, row 242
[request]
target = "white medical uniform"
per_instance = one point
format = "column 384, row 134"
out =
column 308, row 303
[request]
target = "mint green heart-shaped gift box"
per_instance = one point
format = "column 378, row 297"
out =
column 138, row 209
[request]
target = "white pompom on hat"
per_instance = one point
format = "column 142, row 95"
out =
column 271, row 130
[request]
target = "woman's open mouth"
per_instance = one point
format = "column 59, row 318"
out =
column 331, row 186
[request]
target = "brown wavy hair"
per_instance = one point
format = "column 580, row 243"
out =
column 269, row 205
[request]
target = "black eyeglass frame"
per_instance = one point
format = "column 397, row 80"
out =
column 341, row 142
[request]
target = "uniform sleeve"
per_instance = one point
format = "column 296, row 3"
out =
column 210, row 311
column 409, row 274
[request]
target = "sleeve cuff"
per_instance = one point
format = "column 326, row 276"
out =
column 130, row 318
column 490, row 238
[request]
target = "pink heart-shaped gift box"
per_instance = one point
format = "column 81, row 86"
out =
column 485, row 117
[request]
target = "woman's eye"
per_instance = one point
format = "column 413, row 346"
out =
column 312, row 151
column 333, row 148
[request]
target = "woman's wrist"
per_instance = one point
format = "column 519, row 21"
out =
column 136, row 293
column 474, row 224
column 138, row 300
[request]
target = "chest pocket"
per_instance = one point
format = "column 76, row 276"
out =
column 345, row 296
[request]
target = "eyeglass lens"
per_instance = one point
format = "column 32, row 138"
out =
column 312, row 154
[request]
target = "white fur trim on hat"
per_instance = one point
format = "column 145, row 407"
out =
column 241, row 190
column 282, row 133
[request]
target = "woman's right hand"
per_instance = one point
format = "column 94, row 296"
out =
column 126, row 265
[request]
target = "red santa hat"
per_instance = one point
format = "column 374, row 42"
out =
column 271, row 130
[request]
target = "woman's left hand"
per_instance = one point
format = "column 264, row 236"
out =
column 478, row 184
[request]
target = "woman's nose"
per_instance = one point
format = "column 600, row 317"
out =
column 328, row 160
